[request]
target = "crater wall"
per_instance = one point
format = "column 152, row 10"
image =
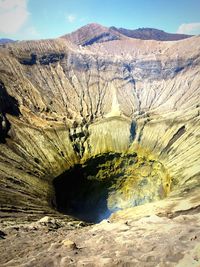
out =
column 62, row 104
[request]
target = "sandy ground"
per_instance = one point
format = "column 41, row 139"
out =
column 149, row 241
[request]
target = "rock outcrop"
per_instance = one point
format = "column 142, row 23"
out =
column 124, row 112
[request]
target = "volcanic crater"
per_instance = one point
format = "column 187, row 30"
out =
column 97, row 125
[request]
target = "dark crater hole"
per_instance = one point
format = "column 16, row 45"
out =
column 82, row 193
column 109, row 182
column 80, row 197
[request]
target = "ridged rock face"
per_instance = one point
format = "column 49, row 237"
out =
column 62, row 105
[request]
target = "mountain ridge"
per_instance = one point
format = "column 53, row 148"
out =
column 6, row 40
column 96, row 33
column 151, row 34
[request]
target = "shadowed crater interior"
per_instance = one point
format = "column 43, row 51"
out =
column 8, row 105
column 106, row 183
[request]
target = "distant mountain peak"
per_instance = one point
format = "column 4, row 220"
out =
column 93, row 33
column 151, row 34
column 6, row 40
column 96, row 33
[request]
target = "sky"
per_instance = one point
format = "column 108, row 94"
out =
column 40, row 19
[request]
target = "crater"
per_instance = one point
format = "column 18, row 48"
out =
column 93, row 190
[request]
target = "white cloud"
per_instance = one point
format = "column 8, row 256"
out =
column 13, row 15
column 189, row 28
column 71, row 18
column 31, row 33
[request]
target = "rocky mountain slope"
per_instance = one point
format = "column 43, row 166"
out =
column 96, row 33
column 95, row 124
column 93, row 33
column 151, row 34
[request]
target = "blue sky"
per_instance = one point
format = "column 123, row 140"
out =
column 35, row 19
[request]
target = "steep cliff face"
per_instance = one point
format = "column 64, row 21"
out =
column 62, row 105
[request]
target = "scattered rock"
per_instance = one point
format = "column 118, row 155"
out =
column 69, row 244
column 46, row 220
column 51, row 223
